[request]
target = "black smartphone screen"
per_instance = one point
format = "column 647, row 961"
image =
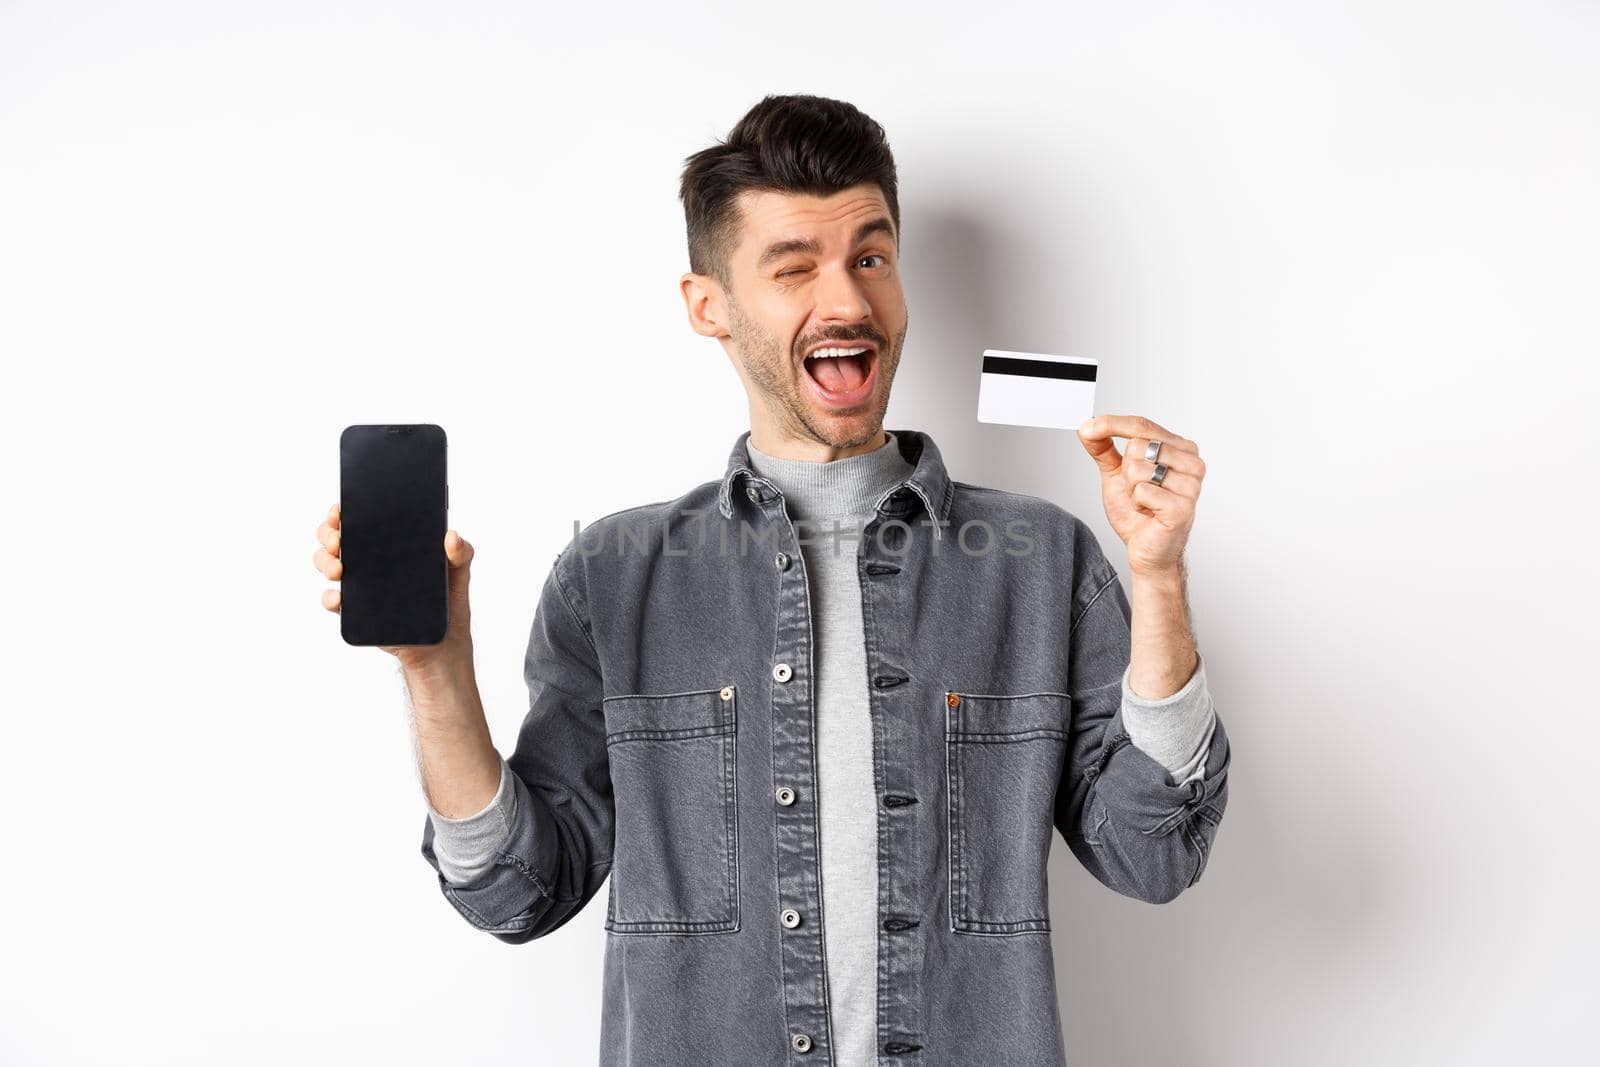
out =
column 393, row 504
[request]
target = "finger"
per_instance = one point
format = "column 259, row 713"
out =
column 457, row 549
column 1175, row 458
column 1109, row 426
column 330, row 599
column 331, row 566
column 1102, row 450
column 329, row 537
column 1138, row 471
column 333, row 516
column 1166, row 507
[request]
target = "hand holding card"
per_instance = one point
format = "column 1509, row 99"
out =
column 1150, row 489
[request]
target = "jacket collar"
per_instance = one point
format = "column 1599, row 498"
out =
column 928, row 482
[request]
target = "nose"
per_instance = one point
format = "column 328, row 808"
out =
column 841, row 297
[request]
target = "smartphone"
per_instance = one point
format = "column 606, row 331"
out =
column 393, row 504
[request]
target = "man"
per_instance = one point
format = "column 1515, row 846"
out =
column 818, row 717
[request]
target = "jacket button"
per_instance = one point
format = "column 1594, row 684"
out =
column 782, row 672
column 952, row 700
column 727, row 692
column 801, row 1043
column 753, row 493
column 790, row 918
column 785, row 795
column 782, row 560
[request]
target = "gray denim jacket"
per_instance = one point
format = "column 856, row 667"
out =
column 669, row 744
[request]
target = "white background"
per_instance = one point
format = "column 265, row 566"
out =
column 1349, row 249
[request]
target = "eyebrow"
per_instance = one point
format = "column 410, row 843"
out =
column 809, row 246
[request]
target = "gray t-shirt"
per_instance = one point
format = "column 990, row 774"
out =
column 830, row 503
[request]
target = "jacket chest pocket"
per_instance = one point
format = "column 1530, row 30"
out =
column 1003, row 759
column 675, row 860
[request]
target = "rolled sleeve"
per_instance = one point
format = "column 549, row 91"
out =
column 1133, row 824
column 554, row 808
column 1175, row 730
column 466, row 847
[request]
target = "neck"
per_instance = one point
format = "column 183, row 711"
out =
column 783, row 446
column 845, row 486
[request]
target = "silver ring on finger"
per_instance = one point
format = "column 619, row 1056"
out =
column 1152, row 449
column 1160, row 473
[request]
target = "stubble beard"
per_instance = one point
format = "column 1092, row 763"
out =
column 769, row 367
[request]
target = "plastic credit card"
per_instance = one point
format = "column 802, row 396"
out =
column 1036, row 389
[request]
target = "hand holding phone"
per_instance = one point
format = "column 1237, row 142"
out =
column 404, row 576
column 458, row 552
column 459, row 765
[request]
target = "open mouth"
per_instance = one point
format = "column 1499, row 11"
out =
column 842, row 372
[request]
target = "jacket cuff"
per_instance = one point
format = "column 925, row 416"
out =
column 466, row 847
column 1175, row 730
column 1140, row 792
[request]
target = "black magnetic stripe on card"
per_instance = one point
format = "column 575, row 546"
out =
column 1039, row 368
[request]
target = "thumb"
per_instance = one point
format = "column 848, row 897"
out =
column 457, row 550
column 1100, row 447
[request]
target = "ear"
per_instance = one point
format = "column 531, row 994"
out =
column 704, row 301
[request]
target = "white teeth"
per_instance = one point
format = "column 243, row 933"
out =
column 830, row 353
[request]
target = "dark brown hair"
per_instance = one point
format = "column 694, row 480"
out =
column 794, row 144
